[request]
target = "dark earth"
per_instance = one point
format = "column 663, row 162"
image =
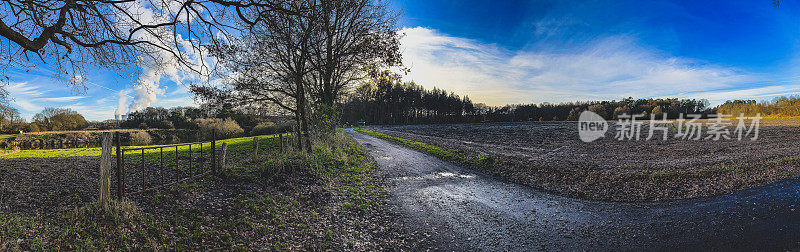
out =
column 550, row 156
column 461, row 209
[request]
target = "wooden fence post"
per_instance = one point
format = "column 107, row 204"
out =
column 120, row 179
column 105, row 171
column 191, row 171
column 255, row 146
column 280, row 137
column 224, row 150
column 214, row 151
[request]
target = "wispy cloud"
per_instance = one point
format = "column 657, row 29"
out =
column 611, row 67
column 23, row 95
column 24, row 89
column 60, row 99
column 33, row 96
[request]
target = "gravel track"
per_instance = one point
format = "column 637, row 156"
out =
column 460, row 209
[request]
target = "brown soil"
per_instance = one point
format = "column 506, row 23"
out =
column 550, row 156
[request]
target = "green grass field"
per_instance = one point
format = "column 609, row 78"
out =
column 233, row 144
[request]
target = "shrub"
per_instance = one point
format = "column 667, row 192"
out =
column 140, row 138
column 227, row 128
column 264, row 128
column 143, row 126
column 205, row 125
column 324, row 120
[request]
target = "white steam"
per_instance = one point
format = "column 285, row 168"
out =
column 123, row 98
column 160, row 64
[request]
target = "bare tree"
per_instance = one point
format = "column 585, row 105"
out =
column 355, row 37
column 306, row 56
column 269, row 64
column 7, row 113
column 116, row 34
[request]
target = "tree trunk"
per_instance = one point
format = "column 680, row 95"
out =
column 302, row 113
column 297, row 133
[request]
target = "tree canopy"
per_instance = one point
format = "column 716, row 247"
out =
column 56, row 119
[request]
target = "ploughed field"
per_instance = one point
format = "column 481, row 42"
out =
column 550, row 156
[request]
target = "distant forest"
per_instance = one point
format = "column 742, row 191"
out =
column 778, row 107
column 388, row 101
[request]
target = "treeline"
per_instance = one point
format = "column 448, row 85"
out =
column 388, row 101
column 50, row 119
column 778, row 107
column 226, row 120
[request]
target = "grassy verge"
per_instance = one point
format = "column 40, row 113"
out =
column 329, row 199
column 456, row 156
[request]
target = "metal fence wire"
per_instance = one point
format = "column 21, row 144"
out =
column 143, row 169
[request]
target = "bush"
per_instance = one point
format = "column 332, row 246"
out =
column 323, row 121
column 143, row 126
column 265, row 128
column 229, row 128
column 225, row 129
column 140, row 138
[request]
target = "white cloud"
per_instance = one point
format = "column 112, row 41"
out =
column 24, row 89
column 60, row 99
column 608, row 68
column 32, row 97
column 23, row 93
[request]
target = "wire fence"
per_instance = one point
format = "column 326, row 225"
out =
column 143, row 169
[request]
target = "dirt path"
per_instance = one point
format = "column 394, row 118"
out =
column 460, row 209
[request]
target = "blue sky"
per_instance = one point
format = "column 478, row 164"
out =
column 500, row 52
column 558, row 51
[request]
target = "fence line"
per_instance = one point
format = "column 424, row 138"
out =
column 37, row 144
column 122, row 168
column 138, row 182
